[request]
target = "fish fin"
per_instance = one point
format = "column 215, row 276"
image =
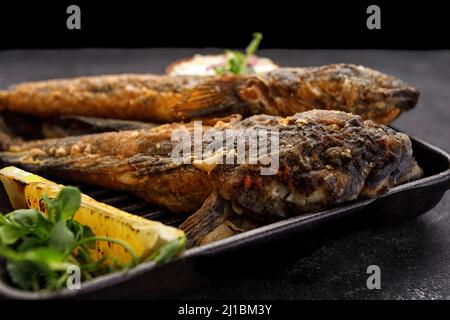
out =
column 55, row 155
column 91, row 169
column 144, row 165
column 214, row 221
column 212, row 98
column 412, row 172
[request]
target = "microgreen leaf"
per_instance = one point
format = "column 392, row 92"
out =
column 237, row 61
column 253, row 46
column 30, row 243
column 134, row 257
column 76, row 228
column 39, row 248
column 88, row 233
column 68, row 202
column 81, row 232
column 42, row 256
column 2, row 219
column 22, row 274
column 49, row 207
column 25, row 217
column 61, row 237
column 166, row 252
column 9, row 234
column 47, row 257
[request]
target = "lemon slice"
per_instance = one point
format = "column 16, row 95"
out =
column 25, row 190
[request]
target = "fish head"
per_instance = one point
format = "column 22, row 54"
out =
column 345, row 87
column 324, row 158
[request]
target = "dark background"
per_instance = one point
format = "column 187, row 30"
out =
column 194, row 23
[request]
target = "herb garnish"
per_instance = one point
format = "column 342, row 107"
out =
column 237, row 62
column 39, row 249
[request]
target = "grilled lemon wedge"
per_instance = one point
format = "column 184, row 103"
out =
column 25, row 190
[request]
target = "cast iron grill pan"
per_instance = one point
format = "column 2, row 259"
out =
column 261, row 247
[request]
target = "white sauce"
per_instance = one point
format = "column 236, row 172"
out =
column 204, row 65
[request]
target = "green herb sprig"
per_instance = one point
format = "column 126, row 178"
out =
column 39, row 249
column 237, row 61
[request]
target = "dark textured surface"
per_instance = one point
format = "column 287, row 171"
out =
column 414, row 257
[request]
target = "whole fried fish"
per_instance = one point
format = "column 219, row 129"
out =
column 163, row 99
column 324, row 158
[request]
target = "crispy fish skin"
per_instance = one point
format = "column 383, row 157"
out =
column 30, row 127
column 163, row 99
column 137, row 161
column 23, row 126
column 325, row 158
column 345, row 87
column 217, row 219
column 141, row 97
column 126, row 96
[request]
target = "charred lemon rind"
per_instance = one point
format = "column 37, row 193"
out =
column 25, row 190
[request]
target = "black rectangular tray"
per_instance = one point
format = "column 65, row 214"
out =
column 257, row 248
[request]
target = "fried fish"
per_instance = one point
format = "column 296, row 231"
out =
column 324, row 158
column 164, row 99
column 30, row 127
